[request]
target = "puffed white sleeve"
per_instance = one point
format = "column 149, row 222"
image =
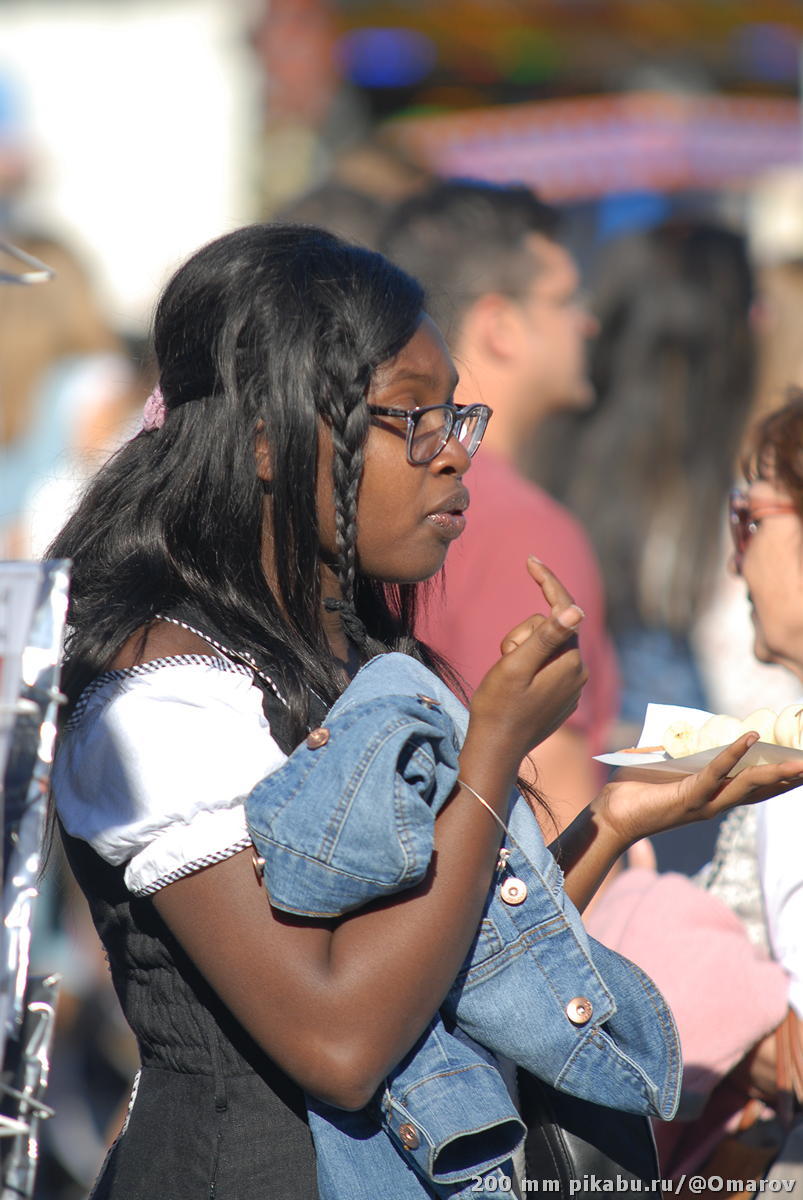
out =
column 779, row 838
column 154, row 768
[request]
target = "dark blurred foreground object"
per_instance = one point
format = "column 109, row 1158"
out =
column 23, row 1084
column 33, row 608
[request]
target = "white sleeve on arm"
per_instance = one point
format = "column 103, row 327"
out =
column 154, row 770
column 780, row 864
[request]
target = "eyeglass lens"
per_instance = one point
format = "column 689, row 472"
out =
column 434, row 426
column 743, row 520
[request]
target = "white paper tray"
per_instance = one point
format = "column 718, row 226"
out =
column 658, row 717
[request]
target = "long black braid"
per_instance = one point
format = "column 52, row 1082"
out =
column 349, row 428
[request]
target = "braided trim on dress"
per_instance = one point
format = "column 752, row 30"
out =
column 197, row 864
column 243, row 654
column 155, row 664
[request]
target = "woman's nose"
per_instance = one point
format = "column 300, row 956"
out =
column 454, row 457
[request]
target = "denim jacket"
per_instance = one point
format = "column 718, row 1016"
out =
column 350, row 817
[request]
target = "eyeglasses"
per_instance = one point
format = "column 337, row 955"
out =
column 429, row 428
column 744, row 520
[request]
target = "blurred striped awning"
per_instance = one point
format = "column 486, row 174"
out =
column 584, row 148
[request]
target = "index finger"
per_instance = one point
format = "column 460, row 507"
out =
column 556, row 595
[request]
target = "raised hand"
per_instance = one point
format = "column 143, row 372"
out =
column 537, row 682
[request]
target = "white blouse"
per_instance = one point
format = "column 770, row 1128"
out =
column 779, row 837
column 153, row 767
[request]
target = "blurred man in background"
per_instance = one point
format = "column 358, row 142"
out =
column 504, row 291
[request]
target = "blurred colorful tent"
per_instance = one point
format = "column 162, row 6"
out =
column 585, row 148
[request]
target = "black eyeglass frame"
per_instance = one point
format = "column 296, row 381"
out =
column 457, row 415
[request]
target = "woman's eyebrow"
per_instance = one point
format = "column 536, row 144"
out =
column 431, row 381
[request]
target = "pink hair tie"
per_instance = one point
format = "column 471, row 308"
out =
column 154, row 412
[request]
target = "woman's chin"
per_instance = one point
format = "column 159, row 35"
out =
column 762, row 651
column 412, row 572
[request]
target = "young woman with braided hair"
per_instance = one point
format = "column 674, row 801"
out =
column 299, row 473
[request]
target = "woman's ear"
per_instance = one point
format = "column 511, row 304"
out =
column 493, row 326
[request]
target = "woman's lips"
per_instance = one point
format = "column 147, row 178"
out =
column 451, row 524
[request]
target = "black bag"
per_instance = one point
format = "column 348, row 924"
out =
column 578, row 1142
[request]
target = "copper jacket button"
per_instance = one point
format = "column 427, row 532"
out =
column 579, row 1010
column 513, row 890
column 317, row 738
column 428, row 700
column 409, row 1136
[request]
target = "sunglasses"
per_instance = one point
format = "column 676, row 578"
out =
column 744, row 520
column 429, row 428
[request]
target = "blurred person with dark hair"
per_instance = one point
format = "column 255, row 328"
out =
column 505, row 292
column 652, row 461
column 735, row 681
column 350, row 214
column 774, row 221
column 649, row 466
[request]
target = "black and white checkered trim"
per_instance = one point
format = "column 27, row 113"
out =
column 155, row 664
column 237, row 654
column 206, row 860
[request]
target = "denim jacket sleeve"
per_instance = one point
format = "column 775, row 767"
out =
column 349, row 816
column 446, row 1114
column 534, row 987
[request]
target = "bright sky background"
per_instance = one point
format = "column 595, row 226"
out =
column 142, row 118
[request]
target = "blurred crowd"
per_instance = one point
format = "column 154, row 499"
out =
column 623, row 398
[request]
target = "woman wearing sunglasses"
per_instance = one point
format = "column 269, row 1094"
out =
column 761, row 547
column 735, row 930
column 767, row 524
column 299, row 473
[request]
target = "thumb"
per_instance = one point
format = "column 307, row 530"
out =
column 568, row 619
column 542, row 636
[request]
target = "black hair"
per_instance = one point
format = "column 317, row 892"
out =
column 272, row 328
column 464, row 238
column 647, row 469
column 774, row 448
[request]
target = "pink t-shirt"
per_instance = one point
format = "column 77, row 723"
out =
column 489, row 590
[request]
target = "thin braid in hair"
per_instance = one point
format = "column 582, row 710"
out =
column 349, row 428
